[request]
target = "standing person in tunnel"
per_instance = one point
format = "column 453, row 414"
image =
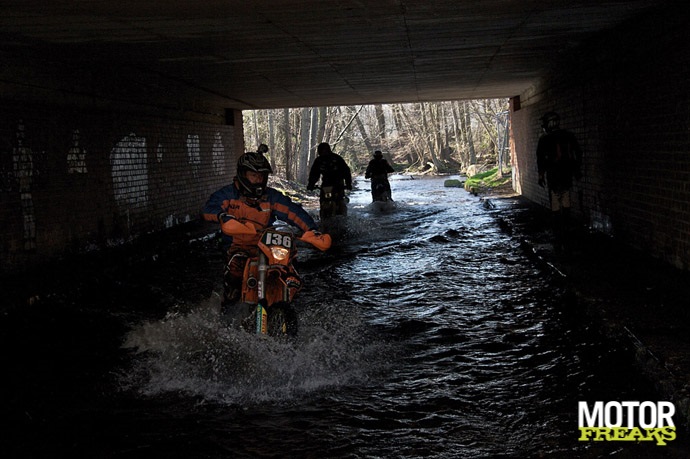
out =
column 378, row 170
column 559, row 159
column 249, row 200
column 336, row 177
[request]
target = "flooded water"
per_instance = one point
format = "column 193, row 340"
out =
column 425, row 332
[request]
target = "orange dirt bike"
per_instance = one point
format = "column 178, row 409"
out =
column 270, row 281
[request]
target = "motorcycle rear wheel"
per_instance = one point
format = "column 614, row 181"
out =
column 282, row 320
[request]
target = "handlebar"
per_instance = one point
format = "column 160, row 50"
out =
column 318, row 188
column 232, row 227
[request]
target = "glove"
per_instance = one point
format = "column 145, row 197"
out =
column 320, row 241
column 223, row 217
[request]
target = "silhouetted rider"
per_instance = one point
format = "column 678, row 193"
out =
column 378, row 170
column 335, row 176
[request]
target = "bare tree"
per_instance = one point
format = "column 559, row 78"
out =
column 363, row 131
column 301, row 172
column 271, row 138
column 467, row 127
column 412, row 138
column 428, row 136
column 381, row 123
column 287, row 147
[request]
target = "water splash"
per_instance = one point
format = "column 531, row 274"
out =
column 197, row 354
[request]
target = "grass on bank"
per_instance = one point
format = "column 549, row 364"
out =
column 487, row 180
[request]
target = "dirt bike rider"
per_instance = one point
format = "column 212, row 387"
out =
column 335, row 174
column 249, row 200
column 378, row 170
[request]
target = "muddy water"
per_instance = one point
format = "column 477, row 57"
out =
column 425, row 332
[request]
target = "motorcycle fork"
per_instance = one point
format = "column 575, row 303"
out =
column 262, row 304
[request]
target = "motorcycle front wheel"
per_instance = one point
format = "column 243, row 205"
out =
column 328, row 209
column 282, row 320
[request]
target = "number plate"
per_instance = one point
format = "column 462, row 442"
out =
column 282, row 240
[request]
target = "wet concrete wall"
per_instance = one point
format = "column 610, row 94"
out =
column 626, row 96
column 78, row 178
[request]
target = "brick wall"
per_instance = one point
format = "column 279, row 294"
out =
column 75, row 180
column 626, row 96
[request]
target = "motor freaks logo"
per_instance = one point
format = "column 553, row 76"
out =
column 627, row 421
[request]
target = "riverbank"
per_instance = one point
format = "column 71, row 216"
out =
column 632, row 297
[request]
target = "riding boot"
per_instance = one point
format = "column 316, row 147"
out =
column 566, row 231
column 558, row 231
column 561, row 231
column 232, row 281
column 230, row 298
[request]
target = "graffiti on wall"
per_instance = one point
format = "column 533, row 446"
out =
column 49, row 167
column 129, row 169
column 218, row 155
column 23, row 170
column 194, row 153
column 76, row 155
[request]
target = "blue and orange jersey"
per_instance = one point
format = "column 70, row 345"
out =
column 272, row 206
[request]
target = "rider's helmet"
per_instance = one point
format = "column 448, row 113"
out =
column 256, row 162
column 323, row 148
column 378, row 154
column 550, row 121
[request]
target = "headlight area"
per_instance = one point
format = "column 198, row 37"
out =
column 279, row 253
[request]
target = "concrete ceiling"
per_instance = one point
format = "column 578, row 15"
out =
column 289, row 53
